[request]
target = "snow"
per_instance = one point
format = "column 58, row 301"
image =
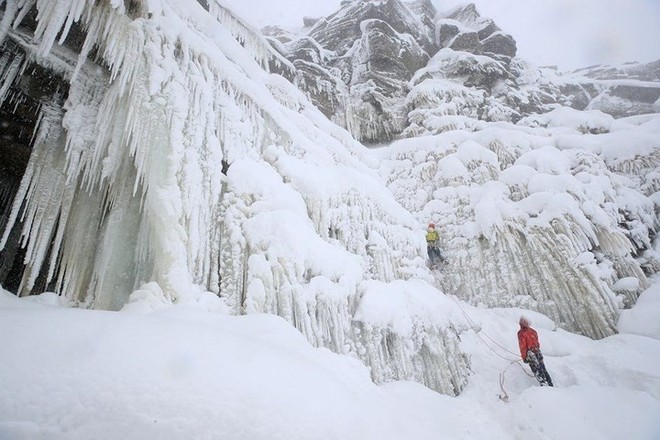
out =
column 186, row 186
column 511, row 201
column 566, row 117
column 401, row 305
column 546, row 160
column 643, row 318
column 185, row 372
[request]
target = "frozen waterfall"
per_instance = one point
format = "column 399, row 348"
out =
column 542, row 215
column 166, row 161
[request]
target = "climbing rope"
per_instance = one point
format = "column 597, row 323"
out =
column 478, row 331
column 504, row 396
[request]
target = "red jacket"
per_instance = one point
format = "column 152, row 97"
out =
column 527, row 339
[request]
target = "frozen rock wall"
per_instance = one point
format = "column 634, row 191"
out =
column 546, row 218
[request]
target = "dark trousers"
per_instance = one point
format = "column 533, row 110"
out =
column 434, row 253
column 535, row 361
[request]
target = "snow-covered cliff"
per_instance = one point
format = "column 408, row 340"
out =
column 543, row 200
column 542, row 215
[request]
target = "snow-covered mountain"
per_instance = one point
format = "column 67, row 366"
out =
column 367, row 68
column 156, row 160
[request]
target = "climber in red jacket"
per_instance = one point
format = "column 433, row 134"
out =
column 530, row 350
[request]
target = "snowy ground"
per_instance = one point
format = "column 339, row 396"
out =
column 184, row 373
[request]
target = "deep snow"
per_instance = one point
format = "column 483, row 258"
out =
column 183, row 372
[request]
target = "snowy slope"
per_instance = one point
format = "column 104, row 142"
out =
column 187, row 373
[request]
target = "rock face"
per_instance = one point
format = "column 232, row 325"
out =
column 370, row 50
column 484, row 35
column 339, row 31
column 626, row 90
column 388, row 69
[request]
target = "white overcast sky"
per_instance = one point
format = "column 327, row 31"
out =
column 566, row 33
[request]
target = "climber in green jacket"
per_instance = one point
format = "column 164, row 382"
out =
column 432, row 246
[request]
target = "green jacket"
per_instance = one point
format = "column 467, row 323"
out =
column 432, row 237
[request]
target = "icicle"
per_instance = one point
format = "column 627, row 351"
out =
column 56, row 17
column 11, row 8
column 248, row 37
column 9, row 73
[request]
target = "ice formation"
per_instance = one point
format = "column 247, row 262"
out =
column 171, row 164
column 550, row 218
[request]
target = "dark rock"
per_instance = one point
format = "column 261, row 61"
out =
column 501, row 44
column 466, row 42
column 280, row 34
column 489, row 29
column 599, row 88
column 446, row 32
column 338, row 31
column 426, row 11
column 575, row 96
column 388, row 53
column 308, row 22
column 647, row 95
column 466, row 14
column 381, row 62
column 423, row 8
column 305, row 49
column 322, row 87
column 639, row 71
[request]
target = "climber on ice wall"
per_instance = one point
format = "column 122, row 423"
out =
column 432, row 246
column 530, row 350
